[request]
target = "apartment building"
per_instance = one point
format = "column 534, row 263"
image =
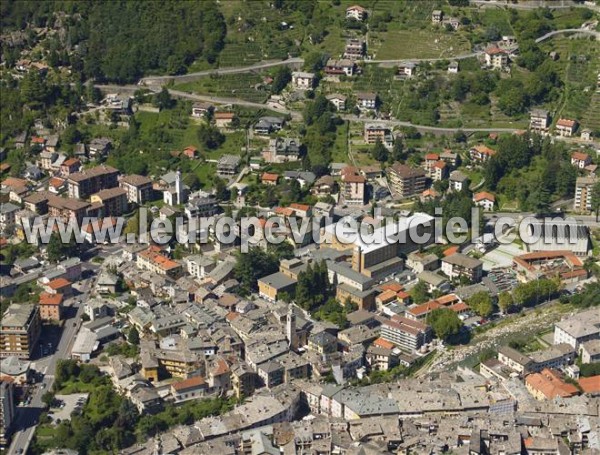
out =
column 152, row 259
column 578, row 329
column 138, row 188
column 20, row 330
column 583, row 193
column 406, row 181
column 113, row 201
column 539, row 120
column 83, row 184
column 459, row 265
column 354, row 50
column 374, row 132
column 354, row 186
column 51, row 306
column 405, row 333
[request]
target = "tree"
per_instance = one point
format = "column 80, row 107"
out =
column 398, row 151
column 505, row 301
column 481, row 303
column 444, row 322
column 419, row 292
column 134, row 336
column 283, row 76
column 222, row 193
column 48, row 399
column 57, row 250
column 251, row 266
column 163, row 99
column 379, row 152
column 210, row 136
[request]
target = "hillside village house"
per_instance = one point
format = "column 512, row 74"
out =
column 302, row 80
column 485, row 200
column 565, row 127
column 375, row 131
column 355, row 49
column 437, row 16
column 338, row 67
column 496, row 58
column 268, row 178
column 580, row 160
column 267, row 125
column 223, row 119
column 406, row 70
column 228, row 164
column 70, row 166
column 99, row 147
column 539, row 120
column 366, row 100
column 200, row 109
column 339, row 101
column 439, row 170
column 481, row 153
column 453, row 67
column 152, row 259
column 356, row 12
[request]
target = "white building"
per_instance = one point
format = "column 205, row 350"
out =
column 578, row 329
column 302, row 80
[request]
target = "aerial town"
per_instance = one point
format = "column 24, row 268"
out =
column 429, row 168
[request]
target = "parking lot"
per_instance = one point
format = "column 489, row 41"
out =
column 67, row 404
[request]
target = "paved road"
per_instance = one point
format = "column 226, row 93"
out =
column 569, row 30
column 532, row 4
column 27, row 417
column 436, row 59
column 153, row 80
column 427, row 128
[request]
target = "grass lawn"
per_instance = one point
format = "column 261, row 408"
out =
column 339, row 152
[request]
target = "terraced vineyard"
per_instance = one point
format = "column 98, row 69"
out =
column 247, row 86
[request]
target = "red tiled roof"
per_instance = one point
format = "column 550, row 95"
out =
column 59, row 283
column 194, row 381
column 580, row 156
column 484, row 195
column 269, row 177
column 450, row 251
column 566, row 123
column 590, row 385
column 432, row 157
column 50, row 299
column 303, row 207
column 383, row 343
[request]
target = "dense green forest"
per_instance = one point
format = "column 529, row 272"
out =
column 120, row 41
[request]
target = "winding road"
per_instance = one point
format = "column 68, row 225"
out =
column 569, row 30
